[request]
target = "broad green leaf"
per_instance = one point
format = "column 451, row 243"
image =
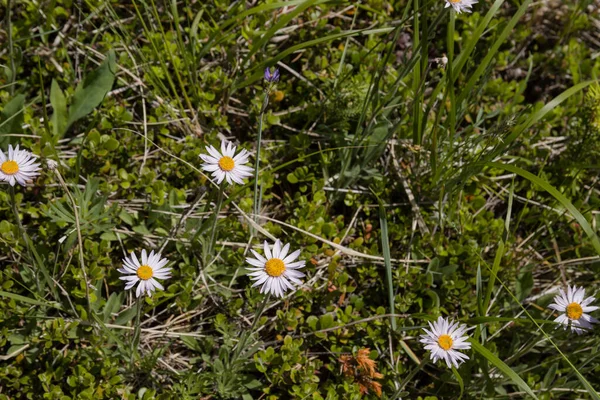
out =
column 505, row 369
column 59, row 105
column 112, row 306
column 90, row 93
column 125, row 316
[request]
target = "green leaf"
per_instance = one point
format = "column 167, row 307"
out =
column 505, row 369
column 125, row 316
column 90, row 93
column 60, row 115
column 111, row 144
column 112, row 306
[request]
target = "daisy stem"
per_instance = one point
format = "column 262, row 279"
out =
column 136, row 333
column 15, row 209
column 249, row 333
column 450, row 76
column 79, row 237
column 258, row 146
column 213, row 233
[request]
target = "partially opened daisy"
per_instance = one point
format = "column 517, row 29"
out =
column 444, row 340
column 18, row 166
column 573, row 308
column 227, row 165
column 275, row 271
column 461, row 5
column 145, row 272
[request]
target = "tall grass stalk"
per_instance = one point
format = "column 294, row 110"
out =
column 450, row 78
column 11, row 52
column 257, row 197
column 416, row 76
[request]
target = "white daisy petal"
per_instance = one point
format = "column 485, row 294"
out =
column 145, row 273
column 276, row 249
column 460, row 5
column 256, row 263
column 573, row 307
column 272, row 271
column 444, row 339
column 292, row 256
column 226, row 165
column 19, row 166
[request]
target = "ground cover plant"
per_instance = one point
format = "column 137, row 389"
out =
column 303, row 199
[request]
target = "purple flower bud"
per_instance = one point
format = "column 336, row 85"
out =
column 274, row 77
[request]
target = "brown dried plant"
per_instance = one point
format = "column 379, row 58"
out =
column 362, row 370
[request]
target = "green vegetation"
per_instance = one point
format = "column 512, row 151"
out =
column 426, row 163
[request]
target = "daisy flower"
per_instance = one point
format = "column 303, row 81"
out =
column 19, row 166
column 275, row 271
column 574, row 308
column 152, row 266
column 225, row 165
column 444, row 340
column 461, row 5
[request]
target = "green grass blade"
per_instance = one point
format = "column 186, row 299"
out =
column 283, row 21
column 484, row 320
column 24, row 299
column 258, row 70
column 508, row 29
column 460, row 382
column 505, row 369
column 557, row 195
column 537, row 323
column 385, row 245
column 491, row 281
column 538, row 115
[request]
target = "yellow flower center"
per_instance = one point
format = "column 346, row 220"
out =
column 445, row 342
column 226, row 163
column 145, row 272
column 10, row 167
column 574, row 311
column 275, row 267
column 455, row 1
